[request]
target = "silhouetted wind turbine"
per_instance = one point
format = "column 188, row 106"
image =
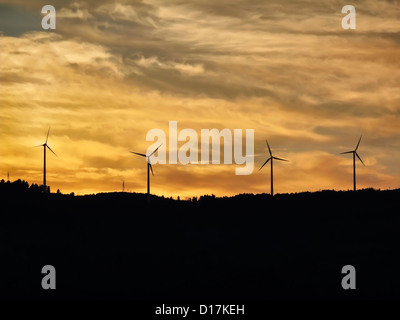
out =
column 354, row 152
column 272, row 166
column 149, row 167
column 44, row 145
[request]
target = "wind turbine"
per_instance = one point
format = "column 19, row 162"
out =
column 354, row 152
column 272, row 166
column 149, row 167
column 44, row 145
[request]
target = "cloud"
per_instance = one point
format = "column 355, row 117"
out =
column 183, row 68
column 16, row 20
column 113, row 70
column 74, row 12
column 139, row 13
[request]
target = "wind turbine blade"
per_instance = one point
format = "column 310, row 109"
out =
column 280, row 159
column 264, row 164
column 347, row 152
column 269, row 149
column 48, row 131
column 40, row 145
column 151, row 168
column 358, row 143
column 155, row 150
column 51, row 150
column 139, row 154
column 360, row 159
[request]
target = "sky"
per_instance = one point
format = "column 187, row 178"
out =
column 113, row 70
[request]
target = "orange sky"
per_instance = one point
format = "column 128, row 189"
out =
column 113, row 70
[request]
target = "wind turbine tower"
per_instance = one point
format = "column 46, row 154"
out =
column 271, row 157
column 355, row 154
column 45, row 146
column 149, row 167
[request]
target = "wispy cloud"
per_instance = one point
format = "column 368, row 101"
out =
column 112, row 70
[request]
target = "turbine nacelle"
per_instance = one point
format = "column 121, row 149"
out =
column 148, row 157
column 45, row 145
column 355, row 151
column 271, row 157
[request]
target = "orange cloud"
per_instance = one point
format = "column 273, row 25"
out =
column 113, row 71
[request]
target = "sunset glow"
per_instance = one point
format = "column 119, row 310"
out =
column 113, row 70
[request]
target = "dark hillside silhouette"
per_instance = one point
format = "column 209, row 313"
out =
column 115, row 245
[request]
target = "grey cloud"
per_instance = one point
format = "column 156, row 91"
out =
column 290, row 55
column 172, row 81
column 15, row 21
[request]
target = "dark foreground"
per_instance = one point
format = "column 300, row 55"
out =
column 247, row 247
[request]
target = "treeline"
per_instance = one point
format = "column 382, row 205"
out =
column 22, row 186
